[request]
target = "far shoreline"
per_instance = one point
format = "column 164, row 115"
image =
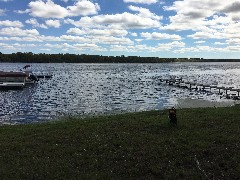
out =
column 29, row 57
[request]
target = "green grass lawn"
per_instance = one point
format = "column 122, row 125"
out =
column 205, row 144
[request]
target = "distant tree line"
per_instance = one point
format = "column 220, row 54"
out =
column 29, row 57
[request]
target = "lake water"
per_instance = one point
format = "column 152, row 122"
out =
column 90, row 89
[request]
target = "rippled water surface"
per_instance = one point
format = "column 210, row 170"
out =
column 88, row 89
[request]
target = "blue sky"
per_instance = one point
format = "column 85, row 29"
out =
column 155, row 28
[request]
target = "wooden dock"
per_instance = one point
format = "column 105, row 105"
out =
column 229, row 92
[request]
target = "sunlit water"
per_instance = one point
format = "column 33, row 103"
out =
column 89, row 89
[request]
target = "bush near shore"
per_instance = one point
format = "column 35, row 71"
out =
column 204, row 145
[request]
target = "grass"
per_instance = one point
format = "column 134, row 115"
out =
column 204, row 145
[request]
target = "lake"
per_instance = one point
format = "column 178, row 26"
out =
column 92, row 89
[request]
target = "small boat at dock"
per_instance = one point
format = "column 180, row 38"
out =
column 19, row 79
column 16, row 80
column 12, row 80
column 12, row 76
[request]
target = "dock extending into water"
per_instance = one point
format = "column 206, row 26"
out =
column 228, row 92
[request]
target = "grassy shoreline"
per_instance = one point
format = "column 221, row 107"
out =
column 205, row 144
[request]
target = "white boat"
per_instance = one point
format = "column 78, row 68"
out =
column 12, row 76
column 15, row 80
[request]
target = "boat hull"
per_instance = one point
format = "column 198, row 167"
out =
column 11, row 85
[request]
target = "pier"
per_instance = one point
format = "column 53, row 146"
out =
column 229, row 92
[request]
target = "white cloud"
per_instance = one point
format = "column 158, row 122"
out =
column 33, row 36
column 233, row 48
column 205, row 35
column 176, row 44
column 134, row 34
column 76, row 47
column 35, row 23
column 76, row 31
column 193, row 14
column 53, row 23
column 16, row 46
column 8, row 47
column 73, row 38
column 85, row 46
column 159, row 36
column 113, row 40
column 49, row 23
column 15, row 31
column 138, row 40
column 24, row 45
column 233, row 41
column 108, row 32
column 141, row 1
column 83, row 8
column 11, row 23
column 220, row 43
column 98, row 32
column 23, row 12
column 5, row 0
column 122, row 48
column 125, row 21
column 199, row 42
column 219, row 31
column 85, row 22
column 209, row 19
column 51, row 45
column 2, row 12
column 209, row 49
column 168, row 46
column 143, row 12
column 49, row 9
column 89, row 47
column 143, row 47
column 162, row 2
